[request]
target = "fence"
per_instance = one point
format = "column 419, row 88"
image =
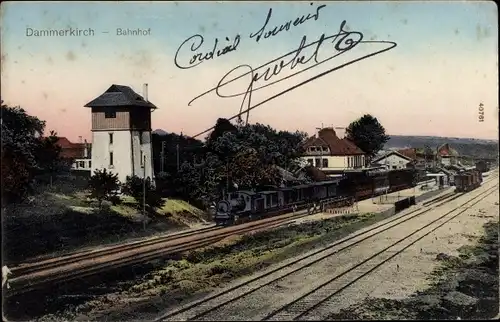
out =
column 348, row 207
column 404, row 203
column 388, row 199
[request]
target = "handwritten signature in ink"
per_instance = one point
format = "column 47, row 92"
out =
column 196, row 41
column 197, row 56
column 284, row 27
column 267, row 74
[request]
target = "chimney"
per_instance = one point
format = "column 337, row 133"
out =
column 145, row 91
column 85, row 149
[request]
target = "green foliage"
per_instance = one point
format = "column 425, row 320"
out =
column 26, row 154
column 135, row 187
column 368, row 134
column 242, row 157
column 103, row 185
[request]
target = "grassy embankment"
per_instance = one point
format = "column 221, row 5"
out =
column 193, row 274
column 465, row 286
column 62, row 218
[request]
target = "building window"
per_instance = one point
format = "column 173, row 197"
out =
column 325, row 163
column 110, row 114
column 140, row 139
column 394, row 167
column 90, row 164
column 318, row 162
column 325, row 149
column 142, row 159
column 310, row 161
column 313, row 149
column 82, row 164
column 110, row 138
column 110, row 158
column 348, row 162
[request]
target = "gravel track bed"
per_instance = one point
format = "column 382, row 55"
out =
column 411, row 273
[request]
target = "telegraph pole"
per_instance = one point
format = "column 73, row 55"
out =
column 321, row 149
column 144, row 195
column 177, row 149
column 162, row 166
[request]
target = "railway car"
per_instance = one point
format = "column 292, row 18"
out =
column 362, row 185
column 352, row 186
column 241, row 205
column 468, row 180
column 482, row 166
column 402, row 179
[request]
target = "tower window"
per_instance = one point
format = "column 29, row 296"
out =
column 110, row 158
column 110, row 114
column 110, row 138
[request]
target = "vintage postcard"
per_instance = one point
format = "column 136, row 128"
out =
column 264, row 160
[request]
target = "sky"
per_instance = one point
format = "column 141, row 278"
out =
column 443, row 65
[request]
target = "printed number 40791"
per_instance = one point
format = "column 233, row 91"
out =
column 481, row 112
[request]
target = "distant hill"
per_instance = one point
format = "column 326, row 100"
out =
column 465, row 146
column 160, row 132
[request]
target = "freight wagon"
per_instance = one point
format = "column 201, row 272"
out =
column 468, row 180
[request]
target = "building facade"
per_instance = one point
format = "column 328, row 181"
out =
column 446, row 155
column 75, row 154
column 328, row 152
column 392, row 161
column 121, row 132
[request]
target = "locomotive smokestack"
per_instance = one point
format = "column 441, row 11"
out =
column 145, row 91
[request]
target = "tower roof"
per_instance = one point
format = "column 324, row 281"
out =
column 120, row 95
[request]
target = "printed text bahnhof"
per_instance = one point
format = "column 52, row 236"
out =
column 88, row 32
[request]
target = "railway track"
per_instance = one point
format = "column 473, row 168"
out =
column 75, row 266
column 203, row 309
column 33, row 276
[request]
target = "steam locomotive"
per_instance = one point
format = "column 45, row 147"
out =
column 352, row 186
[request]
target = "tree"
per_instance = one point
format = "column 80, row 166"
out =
column 221, row 126
column 368, row 134
column 103, row 185
column 23, row 147
column 428, row 154
column 134, row 187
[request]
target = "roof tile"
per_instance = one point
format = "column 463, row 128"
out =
column 120, row 95
column 327, row 137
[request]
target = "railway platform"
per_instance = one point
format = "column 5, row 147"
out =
column 382, row 203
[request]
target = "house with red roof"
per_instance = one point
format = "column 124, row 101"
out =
column 327, row 152
column 446, row 155
column 76, row 153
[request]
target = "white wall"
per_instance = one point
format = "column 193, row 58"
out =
column 338, row 162
column 146, row 149
column 126, row 157
column 393, row 161
column 446, row 161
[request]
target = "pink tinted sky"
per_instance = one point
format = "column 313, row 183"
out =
column 428, row 85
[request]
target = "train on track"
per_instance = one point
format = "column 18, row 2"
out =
column 468, row 180
column 483, row 166
column 338, row 192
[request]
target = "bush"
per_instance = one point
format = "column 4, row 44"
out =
column 135, row 186
column 103, row 185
